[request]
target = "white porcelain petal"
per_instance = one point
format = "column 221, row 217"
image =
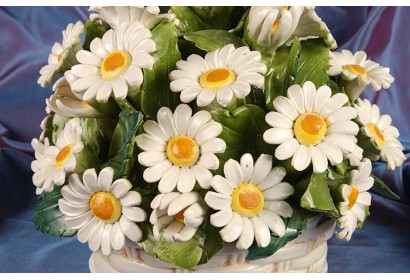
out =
column 233, row 229
column 263, row 166
column 130, row 229
column 186, row 180
column 217, row 201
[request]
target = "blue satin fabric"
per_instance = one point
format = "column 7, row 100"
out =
column 27, row 34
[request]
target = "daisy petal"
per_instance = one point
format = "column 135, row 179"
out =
column 130, row 229
column 134, row 214
column 182, row 115
column 319, row 160
column 84, row 233
column 186, row 180
column 132, row 198
column 181, row 202
column 222, row 217
column 233, row 229
column 106, row 240
column 263, row 166
column 202, row 176
column 169, row 180
column 247, row 167
column 221, row 185
column 120, row 187
column 155, row 173
column 217, row 201
column 286, row 149
column 247, row 235
column 105, row 179
column 274, row 177
column 197, row 121
column 117, row 237
column 261, row 230
column 282, row 208
column 302, row 157
column 233, row 172
column 213, row 145
column 273, row 221
column 280, row 191
column 94, row 243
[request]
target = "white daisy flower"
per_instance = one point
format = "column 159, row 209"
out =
column 311, row 126
column 104, row 212
column 359, row 72
column 271, row 27
column 116, row 16
column 179, row 150
column 62, row 54
column 53, row 162
column 356, row 198
column 113, row 66
column 249, row 201
column 224, row 75
column 65, row 103
column 383, row 134
column 179, row 213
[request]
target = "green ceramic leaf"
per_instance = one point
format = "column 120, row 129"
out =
column 338, row 171
column 48, row 218
column 242, row 132
column 189, row 21
column 155, row 90
column 182, row 254
column 93, row 29
column 207, row 17
column 381, row 188
column 219, row 17
column 209, row 40
column 294, row 227
column 213, row 243
column 281, row 72
column 317, row 196
column 313, row 63
column 121, row 155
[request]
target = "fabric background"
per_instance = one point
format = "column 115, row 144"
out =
column 27, row 34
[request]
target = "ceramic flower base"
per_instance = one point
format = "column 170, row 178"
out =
column 307, row 253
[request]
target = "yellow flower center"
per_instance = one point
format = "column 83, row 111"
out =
column 114, row 64
column 63, row 155
column 376, row 133
column 59, row 58
column 309, row 129
column 247, row 200
column 182, row 151
column 180, row 215
column 85, row 105
column 352, row 197
column 355, row 69
column 217, row 78
column 106, row 206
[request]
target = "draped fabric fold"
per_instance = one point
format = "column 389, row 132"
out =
column 27, row 33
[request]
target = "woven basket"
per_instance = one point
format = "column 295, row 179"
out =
column 307, row 253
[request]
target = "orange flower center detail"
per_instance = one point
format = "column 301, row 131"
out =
column 106, row 206
column 309, row 129
column 182, row 151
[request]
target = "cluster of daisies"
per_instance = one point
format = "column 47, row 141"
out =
column 180, row 150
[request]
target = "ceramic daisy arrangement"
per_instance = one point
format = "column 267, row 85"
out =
column 192, row 128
